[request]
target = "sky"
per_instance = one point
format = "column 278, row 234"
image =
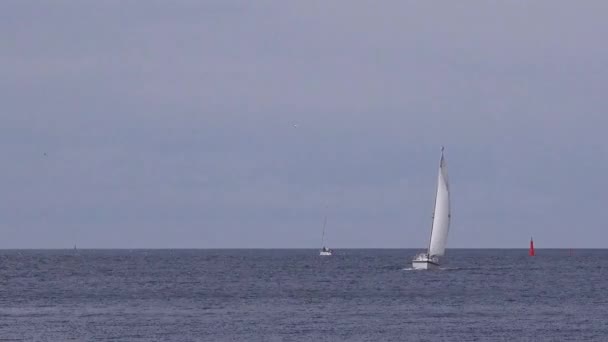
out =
column 240, row 124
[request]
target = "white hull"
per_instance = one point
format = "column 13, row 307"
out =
column 424, row 265
column 324, row 253
column 425, row 262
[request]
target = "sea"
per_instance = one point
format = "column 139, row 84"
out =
column 296, row 295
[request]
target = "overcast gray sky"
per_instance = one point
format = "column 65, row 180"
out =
column 171, row 123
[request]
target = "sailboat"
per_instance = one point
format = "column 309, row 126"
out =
column 531, row 251
column 324, row 251
column 441, row 222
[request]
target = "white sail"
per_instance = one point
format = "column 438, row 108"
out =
column 323, row 235
column 324, row 251
column 441, row 215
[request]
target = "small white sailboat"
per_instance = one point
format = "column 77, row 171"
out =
column 324, row 251
column 441, row 223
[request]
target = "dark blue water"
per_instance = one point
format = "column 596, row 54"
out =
column 295, row 295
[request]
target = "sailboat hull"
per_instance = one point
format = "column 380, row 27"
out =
column 425, row 262
column 424, row 265
column 325, row 253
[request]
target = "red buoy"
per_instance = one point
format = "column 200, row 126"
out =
column 531, row 253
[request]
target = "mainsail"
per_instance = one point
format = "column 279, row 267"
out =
column 441, row 214
column 323, row 235
column 531, row 251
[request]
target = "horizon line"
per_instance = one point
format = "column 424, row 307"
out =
column 275, row 248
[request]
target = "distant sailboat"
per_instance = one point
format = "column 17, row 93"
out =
column 324, row 251
column 441, row 222
column 531, row 252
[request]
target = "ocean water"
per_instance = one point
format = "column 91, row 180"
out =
column 295, row 295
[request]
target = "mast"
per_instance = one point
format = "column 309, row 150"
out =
column 428, row 250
